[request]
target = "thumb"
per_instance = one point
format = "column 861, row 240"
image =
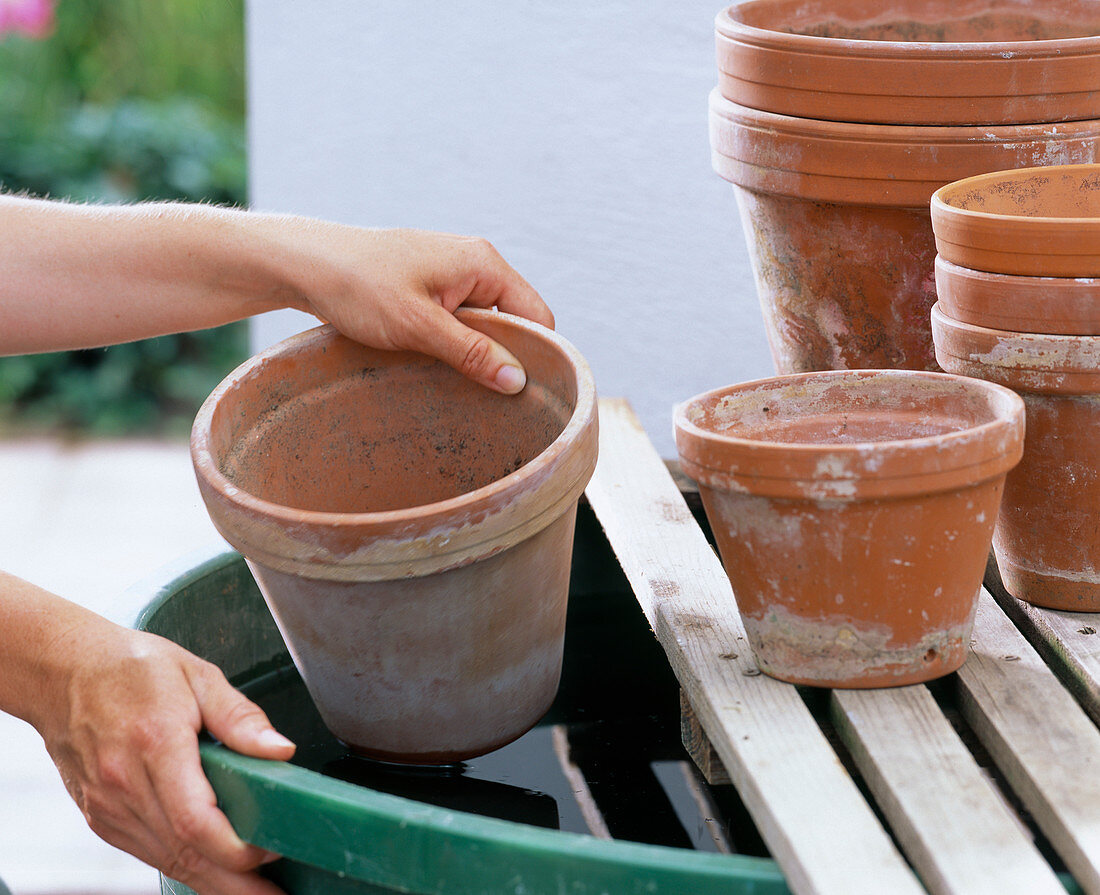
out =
column 238, row 722
column 472, row 353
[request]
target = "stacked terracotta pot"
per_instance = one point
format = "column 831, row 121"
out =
column 853, row 498
column 1018, row 275
column 836, row 120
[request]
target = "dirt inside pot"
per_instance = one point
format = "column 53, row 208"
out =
column 851, row 428
column 928, row 21
column 1057, row 193
column 379, row 436
column 844, row 415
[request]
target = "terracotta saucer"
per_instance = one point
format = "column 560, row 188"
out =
column 1032, row 222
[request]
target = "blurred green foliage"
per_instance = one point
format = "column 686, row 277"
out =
column 103, row 50
column 127, row 100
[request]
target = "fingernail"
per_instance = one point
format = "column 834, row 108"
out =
column 510, row 379
column 272, row 739
column 269, row 857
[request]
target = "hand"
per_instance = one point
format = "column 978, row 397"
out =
column 125, row 741
column 400, row 288
column 164, row 267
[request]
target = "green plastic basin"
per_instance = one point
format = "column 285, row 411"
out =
column 339, row 835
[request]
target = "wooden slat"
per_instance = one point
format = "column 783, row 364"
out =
column 698, row 746
column 1042, row 741
column 590, row 811
column 708, row 811
column 816, row 824
column 1068, row 641
column 955, row 828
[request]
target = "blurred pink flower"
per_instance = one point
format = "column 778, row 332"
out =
column 31, row 18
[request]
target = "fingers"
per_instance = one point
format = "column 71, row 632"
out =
column 470, row 272
column 470, row 352
column 165, row 813
column 499, row 285
column 189, row 868
column 129, row 755
column 188, row 810
column 405, row 286
column 208, row 850
column 235, row 720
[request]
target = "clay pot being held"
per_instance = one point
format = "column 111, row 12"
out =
column 1035, row 222
column 836, row 217
column 853, row 511
column 1047, row 540
column 1053, row 305
column 410, row 530
column 923, row 62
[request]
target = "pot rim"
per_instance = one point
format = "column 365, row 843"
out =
column 728, row 26
column 762, row 62
column 900, row 165
column 1016, row 280
column 1027, row 245
column 913, row 135
column 418, row 516
column 861, row 468
column 1040, row 362
column 943, row 210
column 1067, row 306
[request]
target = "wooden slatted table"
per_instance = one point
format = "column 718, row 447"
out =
column 896, row 800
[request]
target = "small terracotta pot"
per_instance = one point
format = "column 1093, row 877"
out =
column 1047, row 540
column 1035, row 222
column 837, row 223
column 853, row 511
column 411, row 531
column 925, row 62
column 1053, row 305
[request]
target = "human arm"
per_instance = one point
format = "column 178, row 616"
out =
column 78, row 276
column 119, row 712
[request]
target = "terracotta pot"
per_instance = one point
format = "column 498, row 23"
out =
column 1047, row 540
column 837, row 223
column 925, row 62
column 1037, row 222
column 1053, row 305
column 410, row 530
column 853, row 511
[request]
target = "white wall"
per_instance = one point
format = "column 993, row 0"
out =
column 572, row 135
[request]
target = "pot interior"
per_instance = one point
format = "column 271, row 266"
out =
column 925, row 21
column 846, row 409
column 337, row 427
column 1071, row 191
